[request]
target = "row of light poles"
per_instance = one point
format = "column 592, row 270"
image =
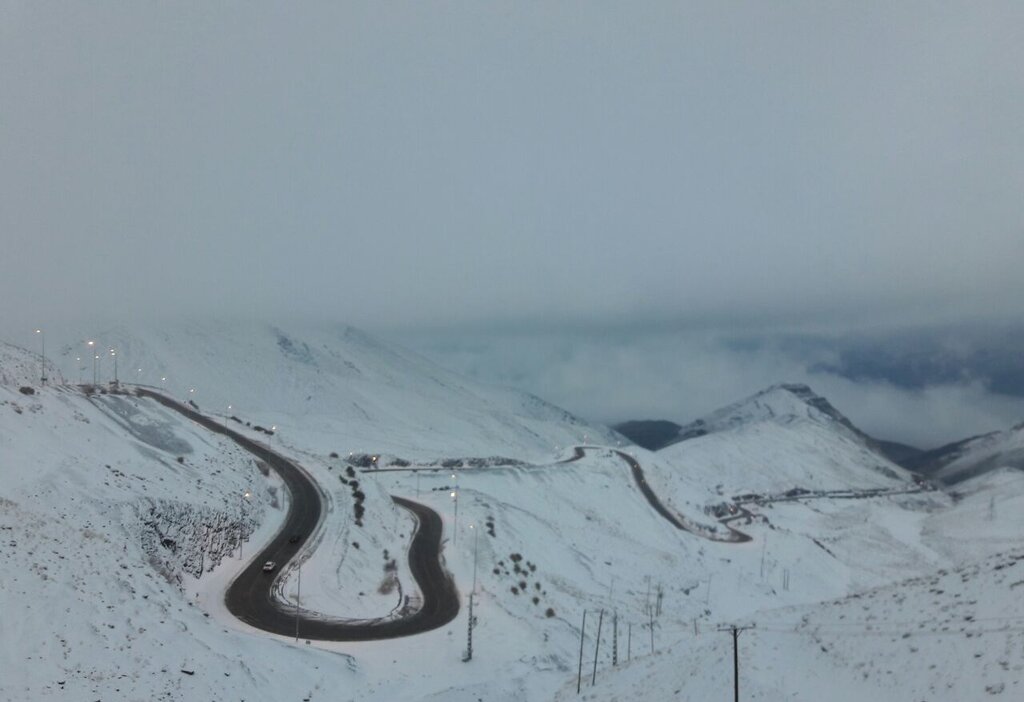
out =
column 97, row 358
column 471, row 623
column 96, row 361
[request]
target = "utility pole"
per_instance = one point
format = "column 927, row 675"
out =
column 469, row 632
column 629, row 642
column 579, row 672
column 735, row 657
column 651, row 621
column 472, row 622
column 597, row 646
column 615, row 638
column 476, row 537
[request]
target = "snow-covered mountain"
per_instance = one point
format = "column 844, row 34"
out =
column 973, row 457
column 781, row 438
column 125, row 518
column 314, row 380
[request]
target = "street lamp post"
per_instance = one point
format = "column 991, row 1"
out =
column 78, row 362
column 455, row 523
column 241, row 524
column 472, row 593
column 113, row 354
column 42, row 356
column 476, row 535
column 298, row 599
column 91, row 344
column 227, row 416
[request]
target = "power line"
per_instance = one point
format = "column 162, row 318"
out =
column 911, row 629
column 899, row 633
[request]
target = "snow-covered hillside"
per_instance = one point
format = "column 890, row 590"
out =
column 125, row 518
column 782, row 438
column 331, row 387
column 954, row 635
column 109, row 510
column 21, row 368
column 932, row 609
column 976, row 456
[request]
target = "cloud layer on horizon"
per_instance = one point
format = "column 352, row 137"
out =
column 681, row 375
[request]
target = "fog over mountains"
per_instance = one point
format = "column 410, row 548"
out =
column 500, row 343
column 920, row 385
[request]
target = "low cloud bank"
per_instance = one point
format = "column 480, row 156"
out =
column 612, row 376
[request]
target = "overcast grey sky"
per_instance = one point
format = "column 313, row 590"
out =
column 395, row 164
column 626, row 180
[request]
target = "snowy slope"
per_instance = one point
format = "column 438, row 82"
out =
column 976, row 456
column 781, row 403
column 96, row 509
column 781, row 438
column 21, row 368
column 314, row 381
column 951, row 632
column 954, row 635
column 102, row 532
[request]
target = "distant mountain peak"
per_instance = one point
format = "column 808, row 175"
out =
column 782, row 403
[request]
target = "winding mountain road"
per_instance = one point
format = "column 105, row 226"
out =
column 734, row 536
column 250, row 597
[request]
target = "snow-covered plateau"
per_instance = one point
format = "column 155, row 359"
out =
column 123, row 522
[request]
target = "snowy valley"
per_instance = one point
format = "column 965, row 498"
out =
column 123, row 523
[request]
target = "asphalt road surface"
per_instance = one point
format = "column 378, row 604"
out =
column 735, row 536
column 250, row 596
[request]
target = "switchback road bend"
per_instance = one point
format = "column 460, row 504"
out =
column 250, row 596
